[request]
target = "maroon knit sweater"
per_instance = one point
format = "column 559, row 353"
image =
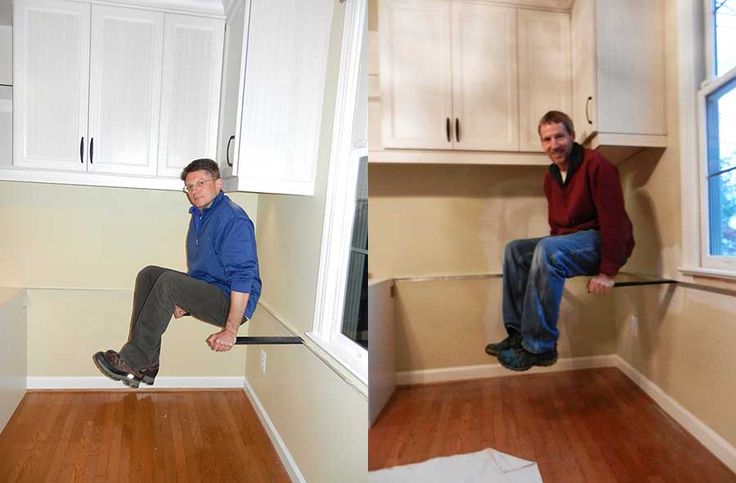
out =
column 590, row 198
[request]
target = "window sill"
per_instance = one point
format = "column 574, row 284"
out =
column 728, row 275
column 347, row 361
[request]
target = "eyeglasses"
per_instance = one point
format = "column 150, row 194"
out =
column 190, row 187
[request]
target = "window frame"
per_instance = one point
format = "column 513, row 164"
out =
column 340, row 195
column 707, row 264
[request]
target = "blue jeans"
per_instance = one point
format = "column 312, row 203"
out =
column 534, row 273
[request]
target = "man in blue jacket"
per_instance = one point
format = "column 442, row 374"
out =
column 221, row 286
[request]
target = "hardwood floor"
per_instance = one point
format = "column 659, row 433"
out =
column 588, row 426
column 137, row 436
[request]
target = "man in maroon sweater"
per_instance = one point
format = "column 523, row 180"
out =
column 590, row 234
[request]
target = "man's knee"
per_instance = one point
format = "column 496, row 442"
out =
column 151, row 272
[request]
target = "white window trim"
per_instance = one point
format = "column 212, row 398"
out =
column 340, row 200
column 707, row 261
column 695, row 63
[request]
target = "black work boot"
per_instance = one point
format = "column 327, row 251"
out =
column 149, row 374
column 513, row 340
column 520, row 359
column 113, row 366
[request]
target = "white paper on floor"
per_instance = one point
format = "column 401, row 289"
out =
column 484, row 466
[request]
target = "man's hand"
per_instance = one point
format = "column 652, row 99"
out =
column 600, row 284
column 221, row 341
column 179, row 312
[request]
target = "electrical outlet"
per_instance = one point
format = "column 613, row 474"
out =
column 263, row 361
column 634, row 322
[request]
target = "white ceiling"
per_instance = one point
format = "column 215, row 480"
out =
column 6, row 12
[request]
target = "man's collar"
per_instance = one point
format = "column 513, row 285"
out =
column 573, row 164
column 215, row 201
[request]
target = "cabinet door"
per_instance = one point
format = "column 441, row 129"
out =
column 125, row 89
column 190, row 102
column 231, row 99
column 416, row 73
column 484, row 77
column 545, row 75
column 284, row 88
column 584, row 67
column 51, row 62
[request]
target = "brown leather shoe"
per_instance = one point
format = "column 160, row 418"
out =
column 149, row 374
column 113, row 366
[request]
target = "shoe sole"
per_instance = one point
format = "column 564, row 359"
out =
column 130, row 380
column 522, row 369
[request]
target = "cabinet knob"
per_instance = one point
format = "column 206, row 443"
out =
column 81, row 150
column 227, row 151
column 92, row 151
column 457, row 129
column 447, row 128
column 587, row 109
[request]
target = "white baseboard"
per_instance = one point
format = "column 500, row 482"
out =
column 283, row 451
column 462, row 373
column 100, row 382
column 717, row 445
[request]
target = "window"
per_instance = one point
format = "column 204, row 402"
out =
column 355, row 315
column 340, row 316
column 717, row 99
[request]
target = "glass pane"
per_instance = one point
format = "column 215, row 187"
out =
column 355, row 315
column 722, row 206
column 721, row 125
column 724, row 16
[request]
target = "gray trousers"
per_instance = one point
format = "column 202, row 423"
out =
column 157, row 290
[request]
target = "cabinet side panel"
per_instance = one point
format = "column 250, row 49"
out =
column 631, row 67
column 288, row 46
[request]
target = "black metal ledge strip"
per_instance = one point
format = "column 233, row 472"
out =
column 280, row 340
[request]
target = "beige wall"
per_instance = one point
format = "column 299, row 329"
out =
column 79, row 248
column 686, row 336
column 450, row 220
column 322, row 419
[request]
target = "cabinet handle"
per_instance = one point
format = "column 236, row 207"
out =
column 81, row 150
column 227, row 151
column 92, row 151
column 587, row 106
column 457, row 129
column 447, row 128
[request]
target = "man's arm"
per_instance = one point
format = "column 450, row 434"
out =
column 224, row 340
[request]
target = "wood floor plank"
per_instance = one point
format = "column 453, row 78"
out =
column 590, row 426
column 137, row 436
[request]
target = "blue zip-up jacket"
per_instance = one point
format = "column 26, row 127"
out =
column 221, row 249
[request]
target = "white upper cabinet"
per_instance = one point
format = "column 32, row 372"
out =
column 111, row 95
column 191, row 94
column 124, row 90
column 467, row 81
column 51, row 76
column 618, row 63
column 279, row 119
column 544, row 71
column 484, row 77
column 448, row 75
column 416, row 74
